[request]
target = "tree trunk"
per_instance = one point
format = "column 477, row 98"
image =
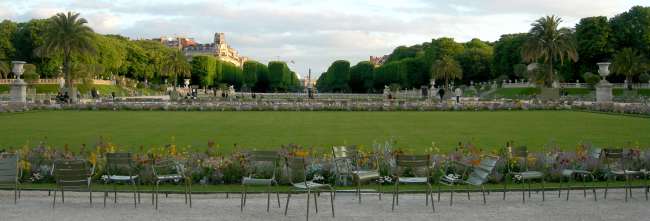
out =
column 67, row 69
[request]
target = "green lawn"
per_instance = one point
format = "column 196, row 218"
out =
column 412, row 130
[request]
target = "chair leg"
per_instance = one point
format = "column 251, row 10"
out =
column 397, row 194
column 394, row 195
column 287, row 204
column 483, row 191
column 105, row 196
column 316, row 201
column 380, row 188
column 62, row 195
column 268, row 198
column 559, row 189
column 54, row 201
column 135, row 193
column 606, row 186
column 593, row 188
column 627, row 180
column 543, row 189
column 451, row 198
column 16, row 193
column 433, row 206
column 153, row 190
column 438, row 191
column 332, row 193
column 568, row 188
column 584, row 186
column 90, row 192
column 277, row 193
column 505, row 187
column 523, row 190
column 308, row 196
column 189, row 191
column 359, row 189
column 241, row 200
column 115, row 194
column 157, row 192
column 426, row 198
column 468, row 197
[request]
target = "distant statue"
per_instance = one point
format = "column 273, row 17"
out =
column 231, row 91
column 387, row 92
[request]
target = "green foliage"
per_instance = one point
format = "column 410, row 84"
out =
column 7, row 30
column 393, row 73
column 593, row 36
column 548, row 43
column 250, row 73
column 175, row 65
column 30, row 74
column 591, row 78
column 417, row 72
column 278, row 75
column 475, row 61
column 403, row 52
column 203, row 70
column 446, row 69
column 230, row 74
column 5, row 69
column 644, row 78
column 263, row 83
column 629, row 63
column 507, row 53
column 520, row 70
column 631, row 29
column 361, row 77
column 442, row 47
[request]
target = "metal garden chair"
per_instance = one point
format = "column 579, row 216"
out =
column 420, row 173
column 521, row 153
column 170, row 171
column 583, row 171
column 478, row 177
column 297, row 175
column 619, row 165
column 347, row 163
column 72, row 175
column 261, row 171
column 10, row 173
column 120, row 167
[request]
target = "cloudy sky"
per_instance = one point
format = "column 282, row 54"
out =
column 314, row 33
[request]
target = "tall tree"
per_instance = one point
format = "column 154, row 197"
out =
column 361, row 77
column 339, row 73
column 4, row 69
column 250, row 73
column 446, row 69
column 7, row 30
column 629, row 63
column 631, row 29
column 593, row 35
column 67, row 34
column 175, row 65
column 547, row 43
column 507, row 53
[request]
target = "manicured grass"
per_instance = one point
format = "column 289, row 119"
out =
column 413, row 131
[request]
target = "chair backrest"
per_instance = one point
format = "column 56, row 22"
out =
column 481, row 172
column 344, row 158
column 296, row 170
column 262, row 163
column 418, row 164
column 72, row 173
column 119, row 164
column 610, row 153
column 166, row 167
column 8, row 168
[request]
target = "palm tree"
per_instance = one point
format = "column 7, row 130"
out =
column 446, row 69
column 628, row 62
column 547, row 43
column 174, row 65
column 67, row 34
column 4, row 69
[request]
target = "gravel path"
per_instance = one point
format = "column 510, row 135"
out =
column 36, row 205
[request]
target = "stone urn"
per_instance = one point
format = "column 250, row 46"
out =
column 604, row 88
column 18, row 87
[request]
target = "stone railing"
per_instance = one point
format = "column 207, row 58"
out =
column 577, row 85
column 59, row 81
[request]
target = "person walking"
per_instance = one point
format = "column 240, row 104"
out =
column 458, row 92
column 441, row 93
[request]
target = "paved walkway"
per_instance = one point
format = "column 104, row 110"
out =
column 36, row 205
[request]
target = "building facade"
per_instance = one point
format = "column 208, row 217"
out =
column 219, row 49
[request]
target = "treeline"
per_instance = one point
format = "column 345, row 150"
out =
column 115, row 55
column 597, row 39
column 254, row 76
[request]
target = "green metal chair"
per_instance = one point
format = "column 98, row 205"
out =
column 521, row 153
column 170, row 171
column 10, row 173
column 296, row 171
column 420, row 173
column 582, row 171
column 347, row 165
column 261, row 171
column 478, row 177
column 72, row 175
column 120, row 167
column 619, row 165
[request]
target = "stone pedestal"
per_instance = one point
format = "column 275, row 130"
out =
column 604, row 92
column 19, row 91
